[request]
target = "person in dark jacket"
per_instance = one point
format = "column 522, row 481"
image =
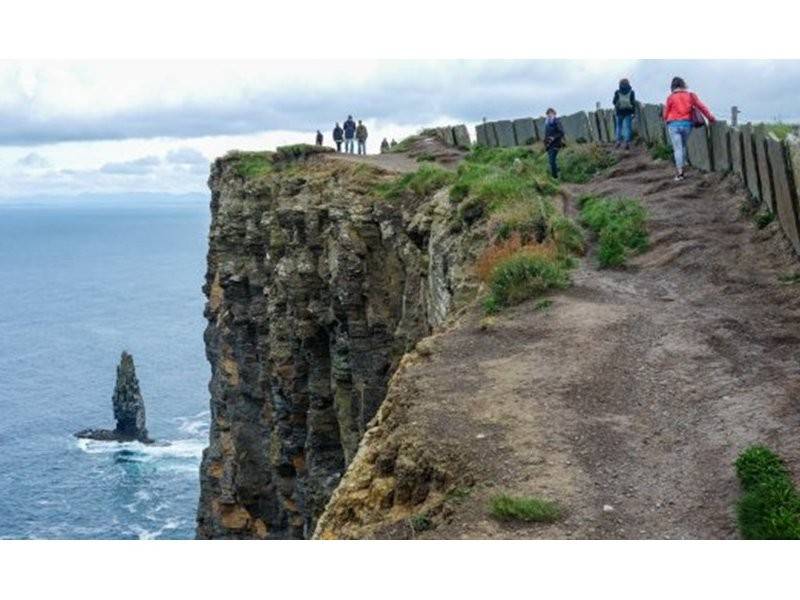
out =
column 624, row 108
column 349, row 134
column 384, row 145
column 553, row 139
column 338, row 136
column 319, row 138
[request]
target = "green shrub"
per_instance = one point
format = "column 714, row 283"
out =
column 770, row 506
column 511, row 508
column 763, row 218
column 578, row 162
column 660, row 151
column 421, row 183
column 620, row 225
column 522, row 276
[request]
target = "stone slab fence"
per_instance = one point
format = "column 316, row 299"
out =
column 768, row 167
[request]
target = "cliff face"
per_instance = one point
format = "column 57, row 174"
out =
column 316, row 288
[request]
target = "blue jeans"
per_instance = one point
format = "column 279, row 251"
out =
column 348, row 145
column 552, row 153
column 362, row 147
column 679, row 135
column 624, row 128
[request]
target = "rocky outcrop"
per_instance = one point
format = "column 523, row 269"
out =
column 316, row 288
column 128, row 409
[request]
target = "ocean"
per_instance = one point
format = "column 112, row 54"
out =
column 80, row 283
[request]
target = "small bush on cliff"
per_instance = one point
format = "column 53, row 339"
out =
column 770, row 506
column 620, row 225
column 535, row 510
column 578, row 162
column 421, row 183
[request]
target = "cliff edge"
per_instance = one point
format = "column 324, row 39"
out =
column 316, row 287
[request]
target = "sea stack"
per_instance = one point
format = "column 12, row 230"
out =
column 128, row 409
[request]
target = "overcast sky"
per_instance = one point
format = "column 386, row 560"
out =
column 109, row 127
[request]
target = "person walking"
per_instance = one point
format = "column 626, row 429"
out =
column 553, row 139
column 349, row 134
column 338, row 136
column 361, row 136
column 683, row 111
column 319, row 138
column 384, row 146
column 624, row 109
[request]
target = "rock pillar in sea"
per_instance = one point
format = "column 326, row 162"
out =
column 128, row 402
column 128, row 409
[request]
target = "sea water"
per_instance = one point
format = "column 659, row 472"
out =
column 79, row 283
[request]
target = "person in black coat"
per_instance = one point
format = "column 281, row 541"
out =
column 553, row 139
column 624, row 109
column 338, row 136
column 319, row 138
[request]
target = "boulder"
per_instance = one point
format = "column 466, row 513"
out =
column 446, row 135
column 480, row 135
column 752, row 177
column 784, row 190
column 576, row 128
column 653, row 124
column 720, row 146
column 699, row 149
column 491, row 135
column 525, row 131
column 594, row 129
column 505, row 134
column 461, row 137
column 737, row 153
column 764, row 175
column 128, row 409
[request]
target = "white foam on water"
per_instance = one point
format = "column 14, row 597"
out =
column 147, row 534
column 196, row 424
column 138, row 452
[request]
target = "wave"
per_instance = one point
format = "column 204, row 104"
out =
column 195, row 425
column 138, row 452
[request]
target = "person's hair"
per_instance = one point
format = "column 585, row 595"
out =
column 550, row 110
column 677, row 83
column 624, row 81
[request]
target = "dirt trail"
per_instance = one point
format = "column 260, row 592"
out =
column 628, row 399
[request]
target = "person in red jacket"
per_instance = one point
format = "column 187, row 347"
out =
column 679, row 114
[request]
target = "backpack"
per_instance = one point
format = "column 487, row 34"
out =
column 624, row 101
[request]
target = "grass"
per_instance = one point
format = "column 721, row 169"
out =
column 532, row 510
column 780, row 129
column 420, row 523
column 660, row 151
column 543, row 304
column 763, row 218
column 426, row 157
column 421, row 183
column 578, row 163
column 620, row 225
column 769, row 509
column 523, row 274
column 789, row 278
column 251, row 165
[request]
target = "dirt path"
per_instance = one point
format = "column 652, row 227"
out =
column 628, row 400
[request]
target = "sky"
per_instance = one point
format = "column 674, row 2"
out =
column 70, row 128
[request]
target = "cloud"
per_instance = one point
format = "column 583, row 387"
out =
column 138, row 166
column 34, row 160
column 186, row 156
column 53, row 102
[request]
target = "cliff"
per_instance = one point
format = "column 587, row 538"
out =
column 316, row 287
